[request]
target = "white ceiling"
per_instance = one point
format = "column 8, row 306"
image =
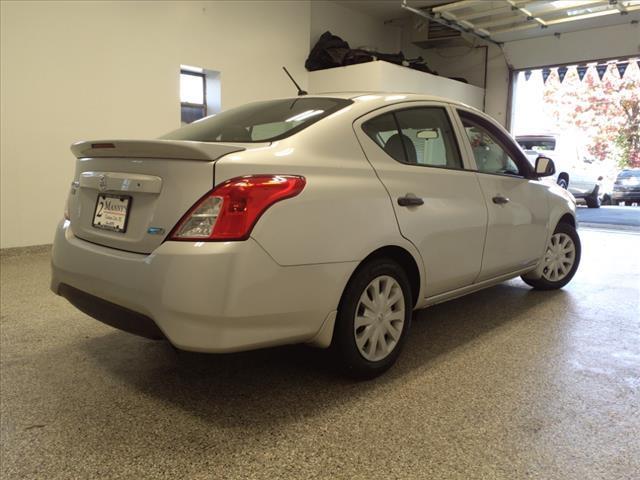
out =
column 388, row 9
column 392, row 10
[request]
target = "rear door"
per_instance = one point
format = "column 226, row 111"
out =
column 516, row 201
column 436, row 198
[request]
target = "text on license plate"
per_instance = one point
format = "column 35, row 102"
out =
column 112, row 212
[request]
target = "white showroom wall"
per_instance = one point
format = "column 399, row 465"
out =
column 359, row 29
column 595, row 43
column 87, row 70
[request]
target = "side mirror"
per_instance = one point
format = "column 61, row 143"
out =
column 544, row 167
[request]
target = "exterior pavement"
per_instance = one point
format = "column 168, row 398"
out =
column 610, row 215
column 507, row 383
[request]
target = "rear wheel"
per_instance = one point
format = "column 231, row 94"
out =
column 593, row 201
column 563, row 182
column 561, row 259
column 373, row 319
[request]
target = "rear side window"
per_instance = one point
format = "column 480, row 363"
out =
column 431, row 136
column 629, row 174
column 416, row 136
column 537, row 143
column 381, row 129
column 261, row 121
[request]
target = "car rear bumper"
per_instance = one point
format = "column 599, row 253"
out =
column 201, row 296
column 110, row 313
column 629, row 196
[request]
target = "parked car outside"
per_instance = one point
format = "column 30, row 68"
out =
column 322, row 219
column 573, row 171
column 626, row 188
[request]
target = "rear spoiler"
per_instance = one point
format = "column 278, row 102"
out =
column 165, row 149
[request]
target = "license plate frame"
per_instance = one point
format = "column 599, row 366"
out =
column 116, row 221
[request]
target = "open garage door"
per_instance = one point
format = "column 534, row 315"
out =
column 586, row 117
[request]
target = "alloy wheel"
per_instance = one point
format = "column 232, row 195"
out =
column 379, row 318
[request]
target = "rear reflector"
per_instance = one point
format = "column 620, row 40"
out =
column 230, row 210
column 103, row 145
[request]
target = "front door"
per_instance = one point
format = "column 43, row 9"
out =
column 438, row 202
column 516, row 201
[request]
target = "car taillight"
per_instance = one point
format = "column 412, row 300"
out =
column 74, row 187
column 230, row 210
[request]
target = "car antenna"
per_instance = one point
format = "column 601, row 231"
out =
column 300, row 91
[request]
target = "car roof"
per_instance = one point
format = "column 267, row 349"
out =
column 387, row 98
column 365, row 102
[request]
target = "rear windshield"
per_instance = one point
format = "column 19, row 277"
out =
column 545, row 143
column 629, row 174
column 260, row 121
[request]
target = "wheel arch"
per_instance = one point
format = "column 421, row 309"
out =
column 569, row 219
column 405, row 259
column 564, row 175
column 558, row 216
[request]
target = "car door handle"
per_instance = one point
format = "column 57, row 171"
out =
column 500, row 200
column 410, row 200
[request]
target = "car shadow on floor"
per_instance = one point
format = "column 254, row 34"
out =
column 276, row 385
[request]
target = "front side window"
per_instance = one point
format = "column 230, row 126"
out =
column 489, row 153
column 416, row 136
column 261, row 121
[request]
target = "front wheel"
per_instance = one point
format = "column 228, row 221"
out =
column 560, row 261
column 373, row 319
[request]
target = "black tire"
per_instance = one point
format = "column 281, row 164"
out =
column 593, row 201
column 345, row 351
column 545, row 284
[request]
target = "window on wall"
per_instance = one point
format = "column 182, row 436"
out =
column 199, row 93
column 193, row 95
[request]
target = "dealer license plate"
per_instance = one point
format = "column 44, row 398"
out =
column 112, row 212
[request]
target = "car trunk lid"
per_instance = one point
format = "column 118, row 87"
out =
column 128, row 194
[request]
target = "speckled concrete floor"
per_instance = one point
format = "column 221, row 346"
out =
column 506, row 383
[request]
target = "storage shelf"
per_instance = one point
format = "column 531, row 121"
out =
column 380, row 76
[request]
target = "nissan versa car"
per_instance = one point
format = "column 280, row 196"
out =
column 323, row 219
